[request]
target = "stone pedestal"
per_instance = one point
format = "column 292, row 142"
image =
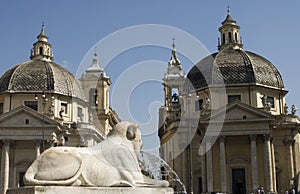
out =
column 90, row 190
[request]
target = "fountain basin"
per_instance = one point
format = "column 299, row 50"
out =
column 90, row 190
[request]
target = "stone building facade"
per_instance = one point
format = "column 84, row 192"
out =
column 44, row 105
column 226, row 127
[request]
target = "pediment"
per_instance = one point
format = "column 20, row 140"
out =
column 237, row 159
column 239, row 111
column 24, row 115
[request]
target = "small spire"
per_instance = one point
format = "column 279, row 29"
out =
column 174, row 50
column 228, row 19
column 174, row 66
column 95, row 54
column 95, row 64
column 95, row 69
column 42, row 36
column 174, row 57
column 173, row 45
column 43, row 29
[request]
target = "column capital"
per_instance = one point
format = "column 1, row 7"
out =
column 222, row 138
column 289, row 141
column 37, row 143
column 267, row 137
column 253, row 137
column 6, row 142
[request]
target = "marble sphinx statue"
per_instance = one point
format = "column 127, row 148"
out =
column 112, row 162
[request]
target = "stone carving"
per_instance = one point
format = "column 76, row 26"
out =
column 112, row 162
column 266, row 103
column 294, row 109
column 285, row 109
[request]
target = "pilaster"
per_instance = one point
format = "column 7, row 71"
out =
column 289, row 146
column 209, row 168
column 268, row 164
column 5, row 166
column 254, row 166
column 223, row 177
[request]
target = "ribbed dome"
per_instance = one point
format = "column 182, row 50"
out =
column 40, row 76
column 235, row 67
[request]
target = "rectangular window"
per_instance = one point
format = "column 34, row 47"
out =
column 64, row 108
column 232, row 98
column 271, row 101
column 80, row 113
column 198, row 104
column 1, row 108
column 32, row 104
column 93, row 97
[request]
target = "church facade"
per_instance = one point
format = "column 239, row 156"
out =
column 225, row 127
column 43, row 105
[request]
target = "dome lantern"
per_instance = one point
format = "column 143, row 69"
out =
column 229, row 34
column 42, row 49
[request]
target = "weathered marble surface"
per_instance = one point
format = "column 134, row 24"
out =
column 113, row 162
column 90, row 190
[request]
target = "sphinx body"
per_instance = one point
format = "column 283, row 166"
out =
column 112, row 162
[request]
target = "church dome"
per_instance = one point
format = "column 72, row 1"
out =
column 40, row 74
column 232, row 65
column 235, row 66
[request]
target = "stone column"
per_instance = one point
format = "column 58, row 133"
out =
column 203, row 169
column 203, row 174
column 5, row 166
column 289, row 143
column 209, row 168
column 274, row 168
column 254, row 166
column 297, row 152
column 184, row 168
column 268, row 164
column 12, row 177
column 223, row 173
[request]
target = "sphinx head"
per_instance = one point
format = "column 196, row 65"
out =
column 129, row 131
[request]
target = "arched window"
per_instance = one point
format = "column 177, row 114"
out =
column 236, row 37
column 41, row 50
column 93, row 97
column 223, row 39
column 175, row 97
column 229, row 37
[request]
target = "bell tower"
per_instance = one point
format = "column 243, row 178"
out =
column 42, row 49
column 173, row 82
column 229, row 34
column 96, row 86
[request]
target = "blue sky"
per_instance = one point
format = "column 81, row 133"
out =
column 269, row 28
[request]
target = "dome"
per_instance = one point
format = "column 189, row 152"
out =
column 235, row 67
column 40, row 76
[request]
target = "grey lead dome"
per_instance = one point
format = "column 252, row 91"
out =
column 234, row 67
column 40, row 76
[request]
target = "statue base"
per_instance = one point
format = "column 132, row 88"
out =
column 90, row 190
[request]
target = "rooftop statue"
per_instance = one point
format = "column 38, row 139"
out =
column 112, row 162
